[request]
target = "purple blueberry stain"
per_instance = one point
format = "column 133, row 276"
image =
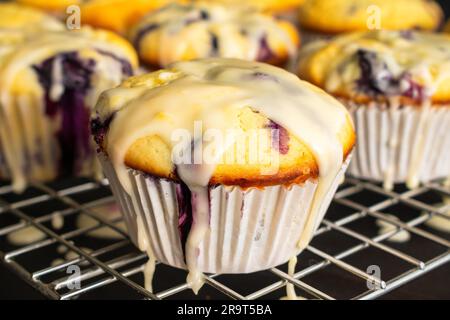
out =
column 204, row 15
column 74, row 135
column 407, row 34
column 185, row 217
column 264, row 53
column 99, row 128
column 377, row 80
column 214, row 44
column 280, row 137
column 127, row 69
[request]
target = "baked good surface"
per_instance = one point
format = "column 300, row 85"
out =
column 201, row 30
column 198, row 135
column 409, row 65
column 16, row 16
column 222, row 94
column 118, row 15
column 48, row 83
column 274, row 6
column 337, row 16
column 51, row 5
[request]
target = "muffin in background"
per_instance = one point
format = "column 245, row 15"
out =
column 18, row 17
column 246, row 216
column 53, row 6
column 49, row 81
column 270, row 6
column 326, row 18
column 118, row 15
column 203, row 30
column 397, row 86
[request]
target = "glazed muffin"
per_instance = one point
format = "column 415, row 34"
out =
column 326, row 18
column 48, row 83
column 15, row 17
column 202, row 30
column 397, row 86
column 248, row 151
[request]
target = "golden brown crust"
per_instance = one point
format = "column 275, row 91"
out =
column 297, row 167
column 246, row 162
column 338, row 16
column 118, row 15
column 321, row 60
column 203, row 38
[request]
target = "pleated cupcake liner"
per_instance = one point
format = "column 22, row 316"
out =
column 249, row 230
column 387, row 138
column 4, row 172
column 33, row 146
column 37, row 150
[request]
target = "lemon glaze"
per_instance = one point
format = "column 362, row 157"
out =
column 182, row 32
column 209, row 90
column 396, row 68
column 22, row 94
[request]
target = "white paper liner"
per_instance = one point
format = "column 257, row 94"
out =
column 35, row 141
column 386, row 141
column 249, row 230
column 39, row 149
column 4, row 172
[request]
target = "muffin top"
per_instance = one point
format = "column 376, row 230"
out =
column 118, row 15
column 57, row 75
column 30, row 49
column 15, row 16
column 411, row 66
column 202, row 30
column 336, row 16
column 218, row 106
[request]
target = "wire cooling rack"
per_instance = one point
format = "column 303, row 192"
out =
column 350, row 257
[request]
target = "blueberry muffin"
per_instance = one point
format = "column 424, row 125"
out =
column 202, row 30
column 397, row 86
column 48, row 83
column 222, row 165
column 325, row 18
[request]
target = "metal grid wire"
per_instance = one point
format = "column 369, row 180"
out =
column 334, row 266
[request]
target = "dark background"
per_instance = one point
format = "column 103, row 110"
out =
column 433, row 285
column 446, row 5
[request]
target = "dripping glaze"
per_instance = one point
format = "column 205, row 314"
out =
column 26, row 132
column 396, row 68
column 183, row 32
column 208, row 90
